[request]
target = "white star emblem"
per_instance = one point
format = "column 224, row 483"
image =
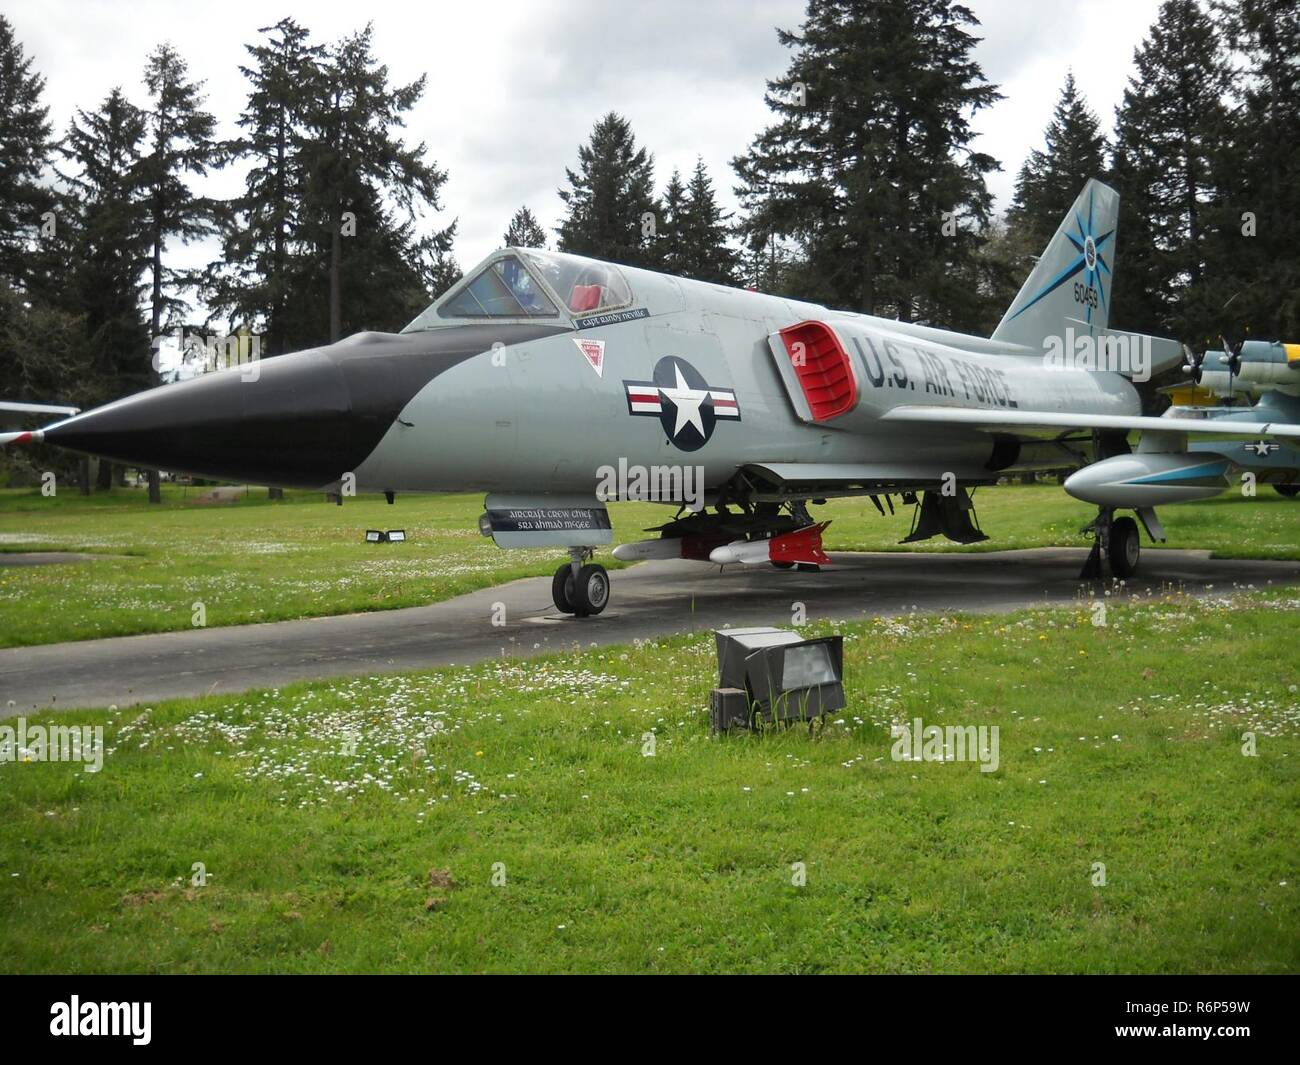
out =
column 1262, row 447
column 686, row 401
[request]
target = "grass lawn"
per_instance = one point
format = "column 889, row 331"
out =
column 253, row 560
column 1119, row 745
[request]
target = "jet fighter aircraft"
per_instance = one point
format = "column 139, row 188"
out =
column 555, row 383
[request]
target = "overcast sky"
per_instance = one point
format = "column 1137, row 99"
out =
column 514, row 87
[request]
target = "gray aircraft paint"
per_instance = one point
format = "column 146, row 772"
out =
column 515, row 405
column 537, row 413
column 492, row 421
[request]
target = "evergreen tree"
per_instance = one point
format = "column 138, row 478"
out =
column 1167, row 128
column 376, row 269
column 179, row 136
column 180, row 143
column 1050, row 180
column 673, row 257
column 44, row 353
column 695, row 233
column 106, row 203
column 259, row 232
column 1255, row 287
column 44, row 357
column 440, row 272
column 110, row 243
column 869, row 167
column 24, row 154
column 525, row 231
column 612, row 210
column 1002, row 263
column 708, row 255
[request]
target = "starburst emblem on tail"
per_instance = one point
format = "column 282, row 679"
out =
column 1090, row 262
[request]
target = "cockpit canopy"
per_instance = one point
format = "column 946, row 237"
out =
column 529, row 284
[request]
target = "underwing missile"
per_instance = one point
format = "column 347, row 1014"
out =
column 801, row 546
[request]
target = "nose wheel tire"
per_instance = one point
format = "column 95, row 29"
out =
column 1124, row 547
column 590, row 590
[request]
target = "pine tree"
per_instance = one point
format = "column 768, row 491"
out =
column 1050, row 180
column 1254, row 288
column 1166, row 130
column 179, row 136
column 25, row 149
column 673, row 255
column 180, row 143
column 1002, row 263
column 524, row 231
column 695, row 231
column 376, row 269
column 44, row 352
column 260, row 228
column 869, row 166
column 612, row 210
column 708, row 255
column 106, row 202
column 439, row 270
column 110, row 241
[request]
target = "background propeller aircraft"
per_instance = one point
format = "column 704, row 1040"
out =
column 538, row 373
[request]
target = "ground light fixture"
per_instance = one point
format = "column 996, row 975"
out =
column 768, row 675
column 382, row 536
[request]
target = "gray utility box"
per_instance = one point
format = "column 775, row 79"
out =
column 784, row 677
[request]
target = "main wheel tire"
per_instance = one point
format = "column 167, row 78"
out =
column 1124, row 547
column 562, row 589
column 590, row 590
column 1290, row 491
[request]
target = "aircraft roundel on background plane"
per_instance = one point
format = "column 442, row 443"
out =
column 554, row 383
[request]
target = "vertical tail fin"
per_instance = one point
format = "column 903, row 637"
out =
column 1071, row 285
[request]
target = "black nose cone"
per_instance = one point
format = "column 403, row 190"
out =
column 282, row 421
column 298, row 421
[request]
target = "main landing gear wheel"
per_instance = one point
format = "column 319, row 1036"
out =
column 582, row 594
column 562, row 588
column 590, row 590
column 1290, row 491
column 1124, row 547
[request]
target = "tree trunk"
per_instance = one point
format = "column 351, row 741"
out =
column 336, row 253
column 155, row 489
column 275, row 324
column 83, row 476
column 104, row 478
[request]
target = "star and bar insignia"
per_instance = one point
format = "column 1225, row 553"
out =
column 687, row 406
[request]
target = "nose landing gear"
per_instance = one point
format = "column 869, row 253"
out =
column 580, row 587
column 1118, row 539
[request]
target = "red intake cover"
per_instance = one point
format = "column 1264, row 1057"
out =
column 823, row 371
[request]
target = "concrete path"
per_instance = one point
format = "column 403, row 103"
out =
column 48, row 558
column 648, row 600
